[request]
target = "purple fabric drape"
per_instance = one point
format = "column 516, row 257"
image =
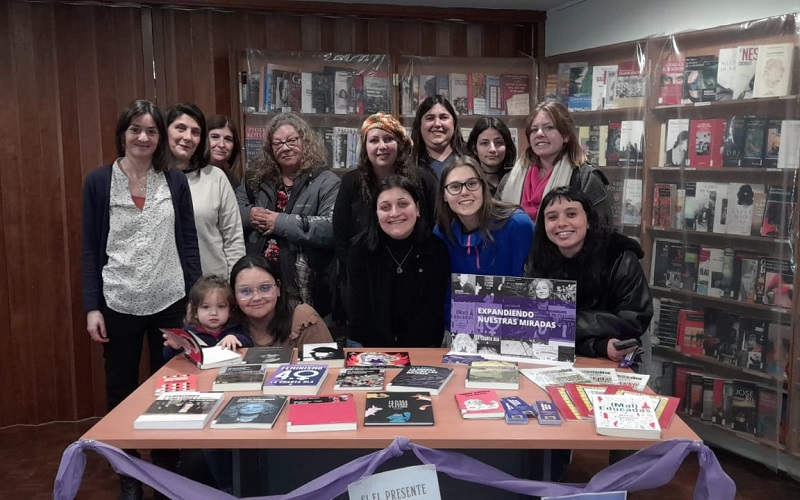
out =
column 647, row 469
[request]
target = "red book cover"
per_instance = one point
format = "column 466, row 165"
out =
column 662, row 205
column 511, row 85
column 480, row 404
column 331, row 412
column 679, row 391
column 581, row 395
column 176, row 383
column 706, row 138
column 671, row 89
column 690, row 331
column 561, row 399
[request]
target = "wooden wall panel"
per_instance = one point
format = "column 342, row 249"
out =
column 68, row 72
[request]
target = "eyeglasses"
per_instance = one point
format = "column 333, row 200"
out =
column 290, row 142
column 264, row 289
column 472, row 184
column 547, row 129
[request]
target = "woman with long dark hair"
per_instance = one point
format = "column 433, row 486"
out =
column 490, row 143
column 226, row 147
column 437, row 138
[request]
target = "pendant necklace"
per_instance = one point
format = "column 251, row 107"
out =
column 399, row 264
column 141, row 182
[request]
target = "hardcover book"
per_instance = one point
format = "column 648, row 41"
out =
column 359, row 378
column 626, row 415
column 514, row 319
column 296, row 379
column 419, row 378
column 250, row 412
column 397, row 359
column 176, row 383
column 271, row 357
column 333, row 412
column 480, row 404
column 198, row 353
column 492, row 375
column 391, row 408
column 179, row 411
column 773, row 76
column 326, row 353
column 240, row 378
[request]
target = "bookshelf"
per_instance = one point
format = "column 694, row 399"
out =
column 697, row 260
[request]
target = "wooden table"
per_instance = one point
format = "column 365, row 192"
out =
column 449, row 432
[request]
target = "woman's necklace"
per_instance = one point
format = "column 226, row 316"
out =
column 140, row 182
column 399, row 264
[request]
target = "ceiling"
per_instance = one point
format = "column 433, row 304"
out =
column 542, row 5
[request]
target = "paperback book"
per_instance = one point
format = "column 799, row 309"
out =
column 492, row 375
column 359, row 378
column 326, row 353
column 379, row 359
column 626, row 415
column 240, row 378
column 198, row 353
column 480, row 404
column 250, row 412
column 271, row 357
column 333, row 412
column 421, row 378
column 400, row 409
column 176, row 383
column 180, row 411
column 296, row 379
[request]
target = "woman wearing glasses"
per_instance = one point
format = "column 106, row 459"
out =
column 553, row 158
column 272, row 315
column 286, row 202
column 484, row 236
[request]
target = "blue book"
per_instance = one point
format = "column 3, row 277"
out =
column 293, row 380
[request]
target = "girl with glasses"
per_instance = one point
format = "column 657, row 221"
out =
column 484, row 235
column 286, row 202
column 553, row 158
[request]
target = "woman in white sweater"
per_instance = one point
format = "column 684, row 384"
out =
column 216, row 212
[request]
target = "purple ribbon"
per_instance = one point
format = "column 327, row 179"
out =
column 647, row 469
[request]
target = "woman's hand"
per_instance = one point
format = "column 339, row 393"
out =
column 617, row 354
column 262, row 219
column 96, row 326
column 229, row 342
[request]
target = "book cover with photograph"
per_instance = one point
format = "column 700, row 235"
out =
column 700, row 78
column 418, row 378
column 359, row 378
column 744, row 76
column 401, row 409
column 670, row 91
column 249, row 412
column 180, row 411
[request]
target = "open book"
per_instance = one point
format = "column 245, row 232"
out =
column 198, row 352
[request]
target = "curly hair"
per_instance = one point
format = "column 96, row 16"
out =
column 562, row 120
column 403, row 166
column 266, row 167
column 492, row 215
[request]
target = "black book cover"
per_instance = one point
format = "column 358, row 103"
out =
column 393, row 408
column 743, row 406
column 733, row 145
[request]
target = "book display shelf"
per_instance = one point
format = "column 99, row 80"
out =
column 718, row 220
column 333, row 92
column 604, row 89
column 475, row 86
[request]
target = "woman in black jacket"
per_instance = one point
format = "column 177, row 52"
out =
column 398, row 273
column 613, row 300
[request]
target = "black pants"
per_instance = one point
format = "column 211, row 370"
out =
column 123, row 351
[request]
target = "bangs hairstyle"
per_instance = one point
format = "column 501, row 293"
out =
column 490, row 122
column 420, row 152
column 492, row 215
column 222, row 121
column 565, row 125
column 134, row 110
column 266, row 168
column 281, row 323
column 403, row 165
column 201, row 289
column 201, row 155
column 375, row 234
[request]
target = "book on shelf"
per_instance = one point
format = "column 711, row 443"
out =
column 494, row 101
column 613, row 141
column 443, row 86
column 253, row 143
column 700, row 78
column 706, row 138
column 250, row 412
column 377, row 93
column 680, row 384
column 563, row 87
column 660, row 261
column 778, row 351
column 271, row 357
column 676, row 262
column 778, row 212
column 744, row 76
column 753, row 152
column 744, row 406
column 602, row 144
column 459, row 92
column 626, row 415
column 251, row 91
column 580, row 88
column 723, row 334
column 631, row 85
column 691, row 325
column 307, row 93
column 492, row 375
column 631, row 143
column 670, row 91
column 666, row 321
column 357, row 94
column 726, row 73
column 741, row 199
column 176, row 383
column 322, row 92
column 418, row 378
column 615, row 190
column 768, row 411
column 604, row 82
column 691, row 257
column 359, row 378
column 689, row 205
column 378, row 359
column 551, row 88
column 477, row 93
column 408, row 95
column 325, row 353
column 705, row 204
column 773, row 76
column 482, row 403
column 733, row 145
column 331, row 412
column 663, row 200
column 515, row 94
column 721, row 208
column 772, row 142
column 746, row 267
column 694, row 394
column 774, row 282
column 240, row 378
column 296, row 379
column 754, row 335
column 789, row 154
column 676, row 142
column 398, row 409
column 708, row 398
column 179, row 411
column 759, row 206
column 197, row 352
column 342, row 91
column 632, row 202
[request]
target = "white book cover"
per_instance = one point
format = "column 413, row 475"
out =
column 604, row 80
column 676, row 142
column 774, row 70
column 306, row 93
column 606, row 376
column 632, row 202
column 631, row 142
column 459, row 92
column 407, row 95
column 603, row 138
column 721, row 209
column 709, row 271
column 789, row 154
column 705, row 205
column 726, row 73
column 174, row 410
column 626, row 415
column 341, row 92
column 557, row 375
column 746, row 57
column 740, row 206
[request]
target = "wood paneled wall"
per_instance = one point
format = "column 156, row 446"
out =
column 67, row 71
